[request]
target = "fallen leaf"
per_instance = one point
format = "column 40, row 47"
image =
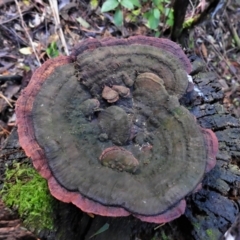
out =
column 26, row 50
column 83, row 22
column 204, row 50
column 104, row 228
column 90, row 215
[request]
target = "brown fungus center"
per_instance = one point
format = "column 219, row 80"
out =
column 110, row 128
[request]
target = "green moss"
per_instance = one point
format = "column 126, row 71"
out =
column 178, row 111
column 164, row 236
column 196, row 226
column 188, row 23
column 213, row 234
column 161, row 236
column 27, row 192
column 209, row 233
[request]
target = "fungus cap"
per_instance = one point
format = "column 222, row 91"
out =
column 150, row 132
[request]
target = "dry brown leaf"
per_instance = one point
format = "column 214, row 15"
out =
column 90, row 215
column 204, row 50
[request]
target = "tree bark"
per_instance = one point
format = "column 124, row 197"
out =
column 210, row 211
column 10, row 228
column 180, row 8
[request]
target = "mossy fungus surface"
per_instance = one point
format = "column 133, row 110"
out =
column 106, row 129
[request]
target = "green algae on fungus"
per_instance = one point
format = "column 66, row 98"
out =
column 27, row 192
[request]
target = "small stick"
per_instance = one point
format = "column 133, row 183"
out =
column 4, row 131
column 6, row 78
column 25, row 29
column 232, row 30
column 159, row 226
column 6, row 99
column 54, row 7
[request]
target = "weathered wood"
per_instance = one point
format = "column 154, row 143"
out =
column 209, row 213
column 212, row 210
column 10, row 226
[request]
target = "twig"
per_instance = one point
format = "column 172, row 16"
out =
column 6, row 99
column 193, row 8
column 3, row 2
column 54, row 7
column 17, row 16
column 4, row 131
column 12, row 35
column 202, row 5
column 25, row 29
column 232, row 30
column 6, row 78
column 162, row 224
column 221, row 57
column 5, row 68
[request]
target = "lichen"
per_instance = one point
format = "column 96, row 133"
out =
column 27, row 192
column 212, row 234
column 209, row 233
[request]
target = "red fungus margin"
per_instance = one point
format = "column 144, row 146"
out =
column 35, row 152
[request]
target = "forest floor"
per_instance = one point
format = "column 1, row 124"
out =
column 33, row 31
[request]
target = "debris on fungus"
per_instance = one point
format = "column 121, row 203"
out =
column 122, row 90
column 120, row 159
column 140, row 152
column 110, row 94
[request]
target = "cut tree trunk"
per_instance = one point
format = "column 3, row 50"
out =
column 10, row 226
column 210, row 211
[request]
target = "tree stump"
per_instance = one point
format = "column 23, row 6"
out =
column 210, row 211
column 10, row 226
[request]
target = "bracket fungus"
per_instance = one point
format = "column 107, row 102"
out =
column 105, row 127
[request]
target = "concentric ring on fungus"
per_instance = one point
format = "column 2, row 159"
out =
column 140, row 155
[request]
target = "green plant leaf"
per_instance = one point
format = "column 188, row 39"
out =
column 109, row 5
column 170, row 22
column 157, row 2
column 83, row 22
column 118, row 17
column 127, row 4
column 156, row 13
column 171, row 15
column 160, row 7
column 146, row 15
column 130, row 17
column 152, row 22
column 135, row 3
column 136, row 12
column 93, row 4
column 52, row 50
column 157, row 34
column 168, row 11
column 104, row 228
